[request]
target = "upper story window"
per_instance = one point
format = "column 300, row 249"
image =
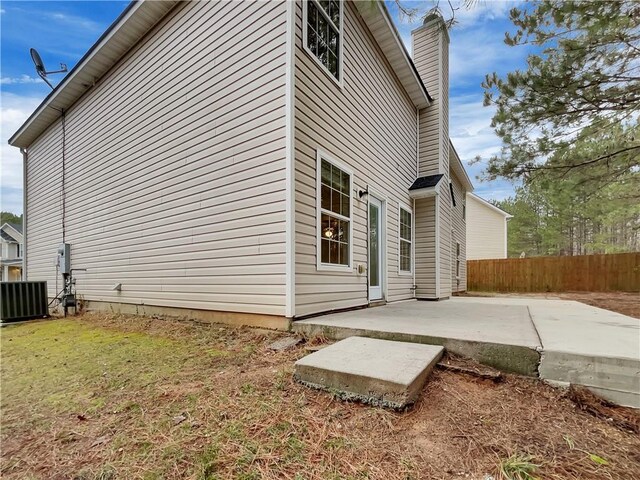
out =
column 334, row 202
column 323, row 31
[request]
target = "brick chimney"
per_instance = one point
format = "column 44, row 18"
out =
column 430, row 51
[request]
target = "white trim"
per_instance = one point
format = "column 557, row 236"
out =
column 382, row 253
column 417, row 139
column 506, row 225
column 340, row 80
column 25, row 156
column 17, row 236
column 425, row 192
column 321, row 155
column 127, row 28
column 290, row 227
column 373, row 191
column 437, row 246
column 405, row 207
column 382, row 27
column 488, row 204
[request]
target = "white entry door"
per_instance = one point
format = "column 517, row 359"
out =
column 376, row 229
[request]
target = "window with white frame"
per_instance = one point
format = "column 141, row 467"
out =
column 405, row 240
column 323, row 31
column 335, row 213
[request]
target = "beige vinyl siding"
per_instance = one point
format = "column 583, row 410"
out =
column 431, row 58
column 445, row 238
column 444, row 55
column 459, row 235
column 175, row 168
column 370, row 125
column 425, row 247
column 486, row 231
column 44, row 212
column 428, row 155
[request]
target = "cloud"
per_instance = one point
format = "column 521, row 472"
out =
column 19, row 80
column 14, row 110
column 476, row 52
column 479, row 12
column 75, row 21
column 472, row 135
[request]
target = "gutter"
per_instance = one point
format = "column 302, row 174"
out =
column 25, row 156
column 412, row 65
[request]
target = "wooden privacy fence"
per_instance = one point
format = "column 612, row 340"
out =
column 593, row 273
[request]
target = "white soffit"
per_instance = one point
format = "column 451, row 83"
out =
column 377, row 18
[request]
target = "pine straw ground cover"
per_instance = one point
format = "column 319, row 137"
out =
column 105, row 397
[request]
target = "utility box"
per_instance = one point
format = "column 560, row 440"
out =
column 64, row 258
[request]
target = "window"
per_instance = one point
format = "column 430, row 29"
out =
column 464, row 212
column 406, row 237
column 457, row 260
column 18, row 255
column 453, row 197
column 334, row 184
column 323, row 33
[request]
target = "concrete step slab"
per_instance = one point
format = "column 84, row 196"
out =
column 613, row 378
column 378, row 372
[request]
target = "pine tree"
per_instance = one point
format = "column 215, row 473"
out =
column 585, row 81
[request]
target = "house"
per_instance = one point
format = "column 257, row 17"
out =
column 486, row 229
column 11, row 259
column 249, row 162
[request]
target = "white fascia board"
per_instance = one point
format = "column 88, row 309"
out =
column 489, row 205
column 424, row 192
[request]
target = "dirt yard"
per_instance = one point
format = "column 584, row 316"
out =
column 621, row 302
column 106, row 397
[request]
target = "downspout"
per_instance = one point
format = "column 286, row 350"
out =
column 413, row 214
column 25, row 156
column 437, row 241
column 413, row 245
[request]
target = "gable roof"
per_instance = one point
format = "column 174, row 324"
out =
column 488, row 205
column 138, row 18
column 377, row 18
column 456, row 166
column 11, row 232
column 6, row 237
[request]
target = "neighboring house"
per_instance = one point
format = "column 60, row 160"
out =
column 11, row 260
column 250, row 162
column 486, row 229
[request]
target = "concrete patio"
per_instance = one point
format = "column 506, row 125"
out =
column 558, row 340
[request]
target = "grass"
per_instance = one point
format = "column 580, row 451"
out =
column 518, row 467
column 105, row 397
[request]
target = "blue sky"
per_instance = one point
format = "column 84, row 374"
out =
column 64, row 31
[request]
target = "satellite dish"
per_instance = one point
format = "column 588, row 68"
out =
column 41, row 70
